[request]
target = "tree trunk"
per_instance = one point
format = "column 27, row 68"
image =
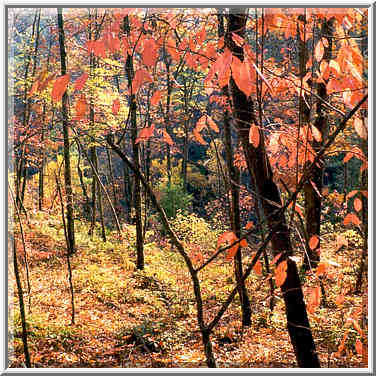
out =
column 67, row 167
column 235, row 221
column 136, row 158
column 312, row 192
column 260, row 170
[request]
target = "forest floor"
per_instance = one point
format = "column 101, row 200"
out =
column 127, row 318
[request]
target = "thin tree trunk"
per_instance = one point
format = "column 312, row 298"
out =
column 112, row 179
column 235, row 221
column 67, row 167
column 259, row 167
column 21, row 303
column 136, row 158
column 70, row 279
column 313, row 188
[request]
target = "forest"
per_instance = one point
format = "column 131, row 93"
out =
column 187, row 187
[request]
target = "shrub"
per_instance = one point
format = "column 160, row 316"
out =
column 174, row 198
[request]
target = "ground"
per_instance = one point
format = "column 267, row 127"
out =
column 127, row 318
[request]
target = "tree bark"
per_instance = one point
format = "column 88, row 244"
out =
column 67, row 167
column 260, row 170
column 312, row 191
column 136, row 158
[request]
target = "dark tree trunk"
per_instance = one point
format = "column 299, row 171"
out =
column 235, row 221
column 312, row 194
column 260, row 170
column 136, row 158
column 67, row 167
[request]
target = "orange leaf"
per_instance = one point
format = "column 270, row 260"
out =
column 359, row 347
column 334, row 66
column 201, row 124
column 314, row 299
column 242, row 75
column 348, row 156
column 316, row 133
column 145, row 134
column 360, row 128
column 352, row 193
column 212, row 124
column 243, row 243
column 80, row 82
column 60, row 87
column 258, row 268
column 239, row 41
column 357, row 204
column 276, row 258
column 321, row 269
column 351, row 218
column 198, row 137
column 340, row 299
column 254, row 135
column 319, row 51
column 230, row 238
column 141, row 76
column 81, row 108
column 167, row 138
column 263, row 78
column 249, row 225
column 341, row 241
column 150, row 53
column 314, row 241
column 281, row 273
column 156, row 98
column 115, row 106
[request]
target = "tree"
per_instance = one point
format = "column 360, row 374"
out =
column 61, row 86
column 259, row 168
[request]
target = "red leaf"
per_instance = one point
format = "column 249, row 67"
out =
column 80, row 82
column 145, row 134
column 313, row 242
column 167, row 138
column 281, row 273
column 357, row 204
column 60, row 87
column 254, row 135
column 156, row 98
column 319, row 51
column 115, row 106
